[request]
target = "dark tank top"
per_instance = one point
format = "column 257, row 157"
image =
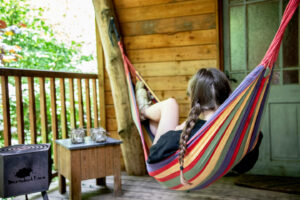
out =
column 168, row 143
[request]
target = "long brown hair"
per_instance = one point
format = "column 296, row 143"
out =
column 207, row 89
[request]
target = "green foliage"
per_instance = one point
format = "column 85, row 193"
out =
column 40, row 48
column 27, row 42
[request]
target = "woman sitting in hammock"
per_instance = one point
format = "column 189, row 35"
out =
column 207, row 90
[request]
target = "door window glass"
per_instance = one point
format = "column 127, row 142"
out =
column 252, row 25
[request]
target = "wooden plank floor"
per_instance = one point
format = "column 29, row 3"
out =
column 140, row 188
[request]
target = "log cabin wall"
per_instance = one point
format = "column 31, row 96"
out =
column 167, row 41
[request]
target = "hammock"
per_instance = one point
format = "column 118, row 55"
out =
column 230, row 133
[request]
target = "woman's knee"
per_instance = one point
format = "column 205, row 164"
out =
column 172, row 103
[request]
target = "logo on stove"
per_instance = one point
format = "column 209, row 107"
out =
column 25, row 175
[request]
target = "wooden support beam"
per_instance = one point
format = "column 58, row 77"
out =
column 131, row 147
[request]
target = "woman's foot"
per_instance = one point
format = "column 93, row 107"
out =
column 141, row 98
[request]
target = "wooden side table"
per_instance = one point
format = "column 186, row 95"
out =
column 89, row 160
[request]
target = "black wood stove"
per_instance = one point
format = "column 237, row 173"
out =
column 25, row 169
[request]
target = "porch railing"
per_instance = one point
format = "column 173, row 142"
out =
column 74, row 110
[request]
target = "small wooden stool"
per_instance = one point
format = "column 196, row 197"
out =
column 89, row 160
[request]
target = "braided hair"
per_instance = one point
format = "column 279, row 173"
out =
column 208, row 89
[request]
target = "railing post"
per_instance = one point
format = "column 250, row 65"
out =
column 88, row 105
column 6, row 114
column 72, row 104
column 95, row 103
column 32, row 111
column 80, row 103
column 43, row 107
column 53, row 118
column 63, row 115
column 101, row 81
column 19, row 108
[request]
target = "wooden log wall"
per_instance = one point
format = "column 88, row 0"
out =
column 167, row 41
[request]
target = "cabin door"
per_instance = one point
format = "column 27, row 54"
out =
column 249, row 26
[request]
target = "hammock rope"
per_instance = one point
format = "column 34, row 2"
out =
column 230, row 133
column 273, row 51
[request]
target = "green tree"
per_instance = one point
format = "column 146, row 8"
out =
column 27, row 42
column 39, row 47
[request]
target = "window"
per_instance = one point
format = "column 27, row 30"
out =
column 249, row 27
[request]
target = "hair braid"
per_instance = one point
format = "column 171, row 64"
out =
column 189, row 125
column 208, row 88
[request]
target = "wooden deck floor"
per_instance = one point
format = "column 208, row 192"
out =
column 142, row 188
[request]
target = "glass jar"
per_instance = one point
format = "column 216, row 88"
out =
column 98, row 134
column 77, row 136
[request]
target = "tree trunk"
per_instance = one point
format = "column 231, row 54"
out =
column 131, row 147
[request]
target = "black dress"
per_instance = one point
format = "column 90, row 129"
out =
column 168, row 144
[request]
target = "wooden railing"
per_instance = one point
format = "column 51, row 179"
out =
column 37, row 79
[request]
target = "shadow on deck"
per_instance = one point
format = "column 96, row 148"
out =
column 145, row 187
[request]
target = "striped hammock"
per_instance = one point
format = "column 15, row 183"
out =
column 230, row 133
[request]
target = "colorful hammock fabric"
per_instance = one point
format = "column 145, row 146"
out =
column 230, row 133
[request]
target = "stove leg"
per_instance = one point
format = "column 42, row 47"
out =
column 44, row 195
column 101, row 181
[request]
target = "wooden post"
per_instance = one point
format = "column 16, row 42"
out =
column 6, row 113
column 80, row 103
column 88, row 106
column 95, row 105
column 43, row 108
column 54, row 118
column 20, row 112
column 63, row 112
column 32, row 111
column 72, row 104
column 131, row 147
column 101, row 79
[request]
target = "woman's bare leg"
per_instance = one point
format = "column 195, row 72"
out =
column 166, row 114
column 153, row 126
